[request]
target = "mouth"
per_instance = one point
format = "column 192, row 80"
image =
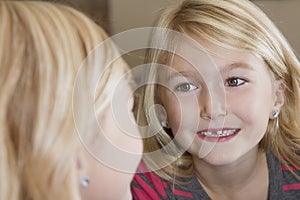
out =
column 218, row 135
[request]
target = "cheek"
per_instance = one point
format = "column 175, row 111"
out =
column 183, row 115
column 173, row 113
column 173, row 109
column 254, row 107
column 183, row 120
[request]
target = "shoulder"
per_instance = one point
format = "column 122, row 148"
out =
column 290, row 184
column 148, row 185
column 282, row 180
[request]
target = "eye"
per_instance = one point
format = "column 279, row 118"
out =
column 185, row 87
column 233, row 82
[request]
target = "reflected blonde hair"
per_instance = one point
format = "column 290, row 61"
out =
column 42, row 47
column 231, row 24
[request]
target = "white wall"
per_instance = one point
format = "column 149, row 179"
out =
column 286, row 15
column 128, row 14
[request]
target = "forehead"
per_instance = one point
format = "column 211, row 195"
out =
column 205, row 56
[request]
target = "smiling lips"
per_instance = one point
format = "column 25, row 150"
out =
column 218, row 135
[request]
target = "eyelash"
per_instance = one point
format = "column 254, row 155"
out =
column 240, row 81
column 179, row 89
column 192, row 87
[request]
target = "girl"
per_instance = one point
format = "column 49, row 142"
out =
column 50, row 143
column 227, row 101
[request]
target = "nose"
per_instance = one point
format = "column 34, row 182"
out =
column 212, row 104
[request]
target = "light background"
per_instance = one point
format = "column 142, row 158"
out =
column 128, row 14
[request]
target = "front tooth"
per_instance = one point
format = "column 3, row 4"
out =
column 219, row 133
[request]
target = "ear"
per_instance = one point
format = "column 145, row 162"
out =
column 161, row 113
column 279, row 89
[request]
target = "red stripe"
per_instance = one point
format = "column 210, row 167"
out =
column 157, row 183
column 295, row 186
column 148, row 189
column 139, row 194
column 142, row 167
column 182, row 193
column 283, row 167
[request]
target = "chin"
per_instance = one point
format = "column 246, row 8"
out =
column 217, row 157
column 220, row 159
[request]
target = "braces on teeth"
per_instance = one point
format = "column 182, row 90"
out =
column 219, row 133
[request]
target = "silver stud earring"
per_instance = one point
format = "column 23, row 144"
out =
column 275, row 113
column 164, row 123
column 85, row 181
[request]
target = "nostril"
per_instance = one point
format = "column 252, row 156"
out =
column 212, row 114
column 212, row 105
column 205, row 115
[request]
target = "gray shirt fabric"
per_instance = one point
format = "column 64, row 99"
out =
column 282, row 185
column 278, row 178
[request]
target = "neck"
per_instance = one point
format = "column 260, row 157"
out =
column 236, row 179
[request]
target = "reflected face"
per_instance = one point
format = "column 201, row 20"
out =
column 218, row 106
column 112, row 167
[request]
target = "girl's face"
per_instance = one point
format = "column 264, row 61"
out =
column 112, row 164
column 218, row 106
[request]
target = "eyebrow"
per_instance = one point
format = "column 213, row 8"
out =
column 179, row 74
column 224, row 69
column 238, row 65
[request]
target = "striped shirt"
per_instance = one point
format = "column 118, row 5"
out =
column 149, row 186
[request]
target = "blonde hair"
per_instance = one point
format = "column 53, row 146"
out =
column 231, row 24
column 42, row 47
